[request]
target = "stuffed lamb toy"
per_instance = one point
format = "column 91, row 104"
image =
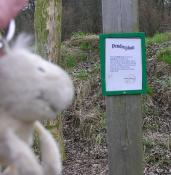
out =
column 31, row 89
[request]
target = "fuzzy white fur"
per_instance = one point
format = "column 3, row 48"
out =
column 50, row 154
column 31, row 89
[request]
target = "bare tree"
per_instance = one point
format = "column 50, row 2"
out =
column 48, row 40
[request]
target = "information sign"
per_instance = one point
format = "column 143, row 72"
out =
column 123, row 63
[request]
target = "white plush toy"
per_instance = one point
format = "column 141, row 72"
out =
column 31, row 89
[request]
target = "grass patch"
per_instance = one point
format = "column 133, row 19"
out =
column 165, row 55
column 151, row 126
column 158, row 38
column 85, row 46
column 78, row 35
column 147, row 143
column 70, row 61
column 93, row 128
column 82, row 75
column 149, row 90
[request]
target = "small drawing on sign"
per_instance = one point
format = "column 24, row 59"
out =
column 130, row 79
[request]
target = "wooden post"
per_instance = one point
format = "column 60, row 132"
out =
column 123, row 112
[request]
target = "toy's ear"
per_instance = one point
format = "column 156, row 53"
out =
column 23, row 41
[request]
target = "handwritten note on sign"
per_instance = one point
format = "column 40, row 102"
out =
column 123, row 64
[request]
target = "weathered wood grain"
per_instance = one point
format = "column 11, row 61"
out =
column 124, row 134
column 120, row 15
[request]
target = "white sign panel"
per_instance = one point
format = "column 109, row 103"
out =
column 123, row 64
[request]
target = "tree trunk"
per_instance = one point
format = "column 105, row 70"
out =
column 48, row 28
column 48, row 42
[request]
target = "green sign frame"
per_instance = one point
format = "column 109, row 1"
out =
column 102, row 46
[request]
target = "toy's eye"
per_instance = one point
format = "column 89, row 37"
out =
column 41, row 69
